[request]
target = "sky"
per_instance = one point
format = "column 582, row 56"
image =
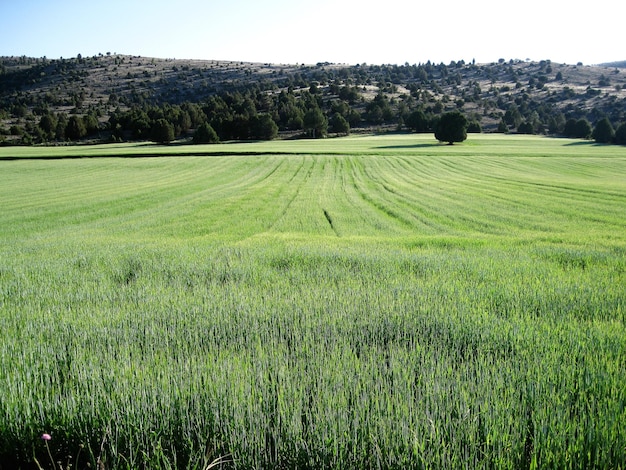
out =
column 307, row 32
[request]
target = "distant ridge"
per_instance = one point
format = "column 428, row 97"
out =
column 619, row 64
column 107, row 98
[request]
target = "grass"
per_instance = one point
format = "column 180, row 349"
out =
column 364, row 302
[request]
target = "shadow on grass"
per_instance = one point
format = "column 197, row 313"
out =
column 141, row 155
column 414, row 146
column 586, row 143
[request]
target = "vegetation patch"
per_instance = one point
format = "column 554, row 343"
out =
column 179, row 311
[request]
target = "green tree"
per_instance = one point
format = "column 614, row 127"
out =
column 61, row 127
column 417, row 121
column 379, row 109
column 525, row 128
column 569, row 130
column 513, row 117
column 339, row 125
column 620, row 134
column 48, row 124
column 205, row 134
column 578, row 129
column 75, row 129
column 603, row 133
column 315, row 122
column 263, row 127
column 375, row 114
column 556, row 123
column 452, row 127
column 354, row 118
column 474, row 127
column 162, row 131
column 583, row 129
column 91, row 122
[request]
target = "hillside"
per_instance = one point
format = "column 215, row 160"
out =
column 101, row 91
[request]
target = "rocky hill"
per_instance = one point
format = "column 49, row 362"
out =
column 508, row 95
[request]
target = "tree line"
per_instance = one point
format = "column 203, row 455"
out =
column 261, row 116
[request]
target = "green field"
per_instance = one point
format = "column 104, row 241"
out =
column 366, row 302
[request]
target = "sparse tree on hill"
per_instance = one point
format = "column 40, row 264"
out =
column 451, row 128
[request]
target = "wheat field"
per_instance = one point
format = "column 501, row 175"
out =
column 367, row 302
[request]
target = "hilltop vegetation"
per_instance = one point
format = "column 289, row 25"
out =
column 117, row 97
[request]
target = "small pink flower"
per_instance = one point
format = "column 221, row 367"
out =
column 46, row 436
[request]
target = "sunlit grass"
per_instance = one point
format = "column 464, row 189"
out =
column 365, row 302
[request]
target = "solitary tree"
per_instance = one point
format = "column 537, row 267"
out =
column 451, row 128
column 603, row 133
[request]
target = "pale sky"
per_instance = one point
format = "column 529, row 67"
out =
column 307, row 32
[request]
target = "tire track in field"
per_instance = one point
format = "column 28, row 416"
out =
column 384, row 199
column 457, row 198
column 330, row 194
column 537, row 199
column 559, row 203
column 496, row 200
column 362, row 218
column 296, row 193
column 206, row 202
column 438, row 195
column 422, row 193
column 90, row 192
